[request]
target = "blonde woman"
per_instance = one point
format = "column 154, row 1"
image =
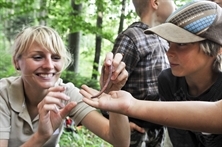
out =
column 33, row 105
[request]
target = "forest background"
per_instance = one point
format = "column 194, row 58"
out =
column 88, row 28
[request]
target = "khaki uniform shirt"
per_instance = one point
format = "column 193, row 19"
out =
column 16, row 125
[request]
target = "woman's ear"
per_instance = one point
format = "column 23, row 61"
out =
column 16, row 64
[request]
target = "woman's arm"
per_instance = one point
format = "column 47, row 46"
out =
column 115, row 130
column 36, row 140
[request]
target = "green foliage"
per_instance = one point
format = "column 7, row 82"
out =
column 180, row 3
column 6, row 71
column 81, row 138
column 79, row 80
column 6, row 67
column 18, row 23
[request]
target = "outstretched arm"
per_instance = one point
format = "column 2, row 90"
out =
column 189, row 115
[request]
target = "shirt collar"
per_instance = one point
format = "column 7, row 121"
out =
column 16, row 95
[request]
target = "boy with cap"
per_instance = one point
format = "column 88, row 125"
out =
column 194, row 33
column 195, row 61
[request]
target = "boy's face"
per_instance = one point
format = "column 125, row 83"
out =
column 189, row 60
column 219, row 2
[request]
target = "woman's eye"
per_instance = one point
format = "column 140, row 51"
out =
column 37, row 57
column 56, row 57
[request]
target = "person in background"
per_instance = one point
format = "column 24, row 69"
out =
column 219, row 2
column 34, row 105
column 195, row 38
column 145, row 57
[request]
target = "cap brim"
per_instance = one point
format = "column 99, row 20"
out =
column 173, row 33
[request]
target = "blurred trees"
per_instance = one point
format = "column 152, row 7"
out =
column 88, row 27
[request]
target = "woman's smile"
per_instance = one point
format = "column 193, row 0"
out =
column 46, row 75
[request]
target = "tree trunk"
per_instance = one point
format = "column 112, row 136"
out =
column 122, row 17
column 74, row 40
column 43, row 12
column 98, row 46
column 8, row 23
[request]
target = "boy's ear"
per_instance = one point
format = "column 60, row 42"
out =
column 154, row 3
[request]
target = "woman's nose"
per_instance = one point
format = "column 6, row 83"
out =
column 48, row 63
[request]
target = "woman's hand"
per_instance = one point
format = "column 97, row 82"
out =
column 115, row 101
column 52, row 111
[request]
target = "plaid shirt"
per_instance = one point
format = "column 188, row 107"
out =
column 145, row 57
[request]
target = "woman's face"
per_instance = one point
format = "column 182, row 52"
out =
column 39, row 67
column 188, row 59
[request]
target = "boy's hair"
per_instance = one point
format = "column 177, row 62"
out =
column 46, row 37
column 194, row 22
column 210, row 48
column 140, row 6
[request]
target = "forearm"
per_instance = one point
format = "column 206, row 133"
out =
column 36, row 140
column 119, row 130
column 198, row 116
column 3, row 143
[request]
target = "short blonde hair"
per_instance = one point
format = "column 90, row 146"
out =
column 212, row 49
column 45, row 37
column 140, row 6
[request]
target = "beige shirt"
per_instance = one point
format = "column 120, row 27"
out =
column 15, row 123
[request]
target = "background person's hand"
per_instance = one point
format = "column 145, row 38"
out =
column 134, row 126
column 119, row 73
